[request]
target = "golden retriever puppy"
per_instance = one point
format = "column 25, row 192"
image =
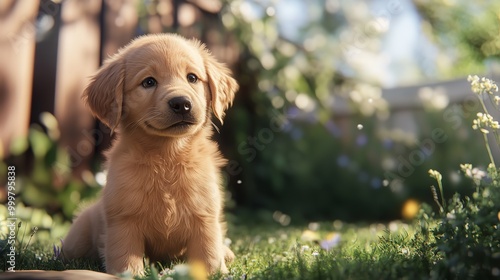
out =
column 162, row 199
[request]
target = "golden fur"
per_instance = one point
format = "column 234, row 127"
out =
column 162, row 199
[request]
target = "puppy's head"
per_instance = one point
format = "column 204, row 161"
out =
column 163, row 84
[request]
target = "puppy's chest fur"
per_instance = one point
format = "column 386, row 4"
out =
column 164, row 194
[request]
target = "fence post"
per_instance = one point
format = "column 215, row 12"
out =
column 78, row 59
column 17, row 50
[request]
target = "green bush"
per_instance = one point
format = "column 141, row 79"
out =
column 47, row 194
column 319, row 165
column 312, row 170
column 468, row 235
column 462, row 240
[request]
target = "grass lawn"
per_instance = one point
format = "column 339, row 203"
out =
column 315, row 251
column 332, row 251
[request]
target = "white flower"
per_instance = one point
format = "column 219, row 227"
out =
column 474, row 83
column 482, row 85
column 435, row 174
column 473, row 173
column 477, row 174
column 484, row 121
column 331, row 241
column 181, row 269
column 497, row 100
column 466, row 167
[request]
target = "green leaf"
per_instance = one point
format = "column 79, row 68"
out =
column 51, row 124
column 36, row 197
column 18, row 146
column 40, row 142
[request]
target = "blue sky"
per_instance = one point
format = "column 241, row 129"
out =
column 406, row 54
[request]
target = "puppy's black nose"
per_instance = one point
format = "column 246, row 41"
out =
column 180, row 105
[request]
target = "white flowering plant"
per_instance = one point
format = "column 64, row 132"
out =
column 486, row 88
column 466, row 241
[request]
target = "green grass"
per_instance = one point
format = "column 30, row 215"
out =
column 273, row 251
column 287, row 253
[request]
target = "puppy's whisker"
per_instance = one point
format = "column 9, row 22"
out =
column 148, row 116
column 151, row 115
column 215, row 126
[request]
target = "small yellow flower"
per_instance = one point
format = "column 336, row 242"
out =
column 198, row 271
column 309, row 236
column 410, row 209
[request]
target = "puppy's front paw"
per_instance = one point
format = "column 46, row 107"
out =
column 121, row 261
column 228, row 255
column 212, row 265
column 136, row 269
column 223, row 268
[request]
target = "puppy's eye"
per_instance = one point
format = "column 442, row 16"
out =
column 149, row 82
column 192, row 78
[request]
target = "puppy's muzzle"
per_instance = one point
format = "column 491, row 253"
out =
column 180, row 105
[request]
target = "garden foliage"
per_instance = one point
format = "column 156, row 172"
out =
column 467, row 236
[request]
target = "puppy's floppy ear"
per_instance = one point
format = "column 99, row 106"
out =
column 104, row 94
column 222, row 85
